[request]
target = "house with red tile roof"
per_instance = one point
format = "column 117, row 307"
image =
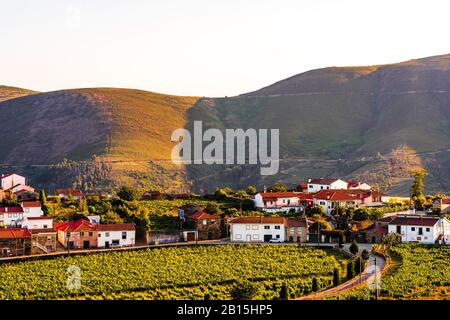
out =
column 273, row 202
column 14, row 242
column 80, row 234
column 68, row 192
column 420, row 228
column 257, row 229
column 202, row 226
column 330, row 199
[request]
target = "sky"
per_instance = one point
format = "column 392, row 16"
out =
column 207, row 47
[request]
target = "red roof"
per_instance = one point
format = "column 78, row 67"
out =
column 74, row 226
column 446, row 201
column 276, row 195
column 203, row 215
column 414, row 221
column 261, row 219
column 69, row 192
column 31, row 204
column 11, row 209
column 303, row 186
column 116, row 227
column 335, row 195
column 14, row 233
column 324, row 181
column 305, row 196
column 295, row 222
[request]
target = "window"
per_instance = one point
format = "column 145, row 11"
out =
column 238, row 236
column 277, row 227
column 413, row 229
column 27, row 209
column 45, row 226
column 255, row 227
column 310, row 186
column 115, row 242
column 291, row 231
column 81, row 234
column 427, row 230
column 247, row 227
column 321, row 187
column 204, row 222
column 420, row 231
column 68, row 234
column 107, row 234
column 15, row 215
column 9, row 215
column 266, row 227
column 99, row 235
column 91, row 234
column 299, row 230
column 322, row 203
column 328, row 187
column 419, row 238
column 49, row 238
column 399, row 229
column 124, row 235
column 278, row 236
column 256, row 236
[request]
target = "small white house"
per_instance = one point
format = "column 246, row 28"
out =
column 277, row 201
column 358, row 185
column 423, row 229
column 32, row 209
column 37, row 223
column 11, row 216
column 315, row 185
column 257, row 229
column 116, row 235
column 330, row 199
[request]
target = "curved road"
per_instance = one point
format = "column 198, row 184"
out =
column 368, row 274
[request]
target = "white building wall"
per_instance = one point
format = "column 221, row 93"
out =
column 256, row 232
column 411, row 233
column 338, row 184
column 10, row 181
column 109, row 236
column 37, row 224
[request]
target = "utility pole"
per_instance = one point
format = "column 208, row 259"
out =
column 68, row 243
column 376, row 278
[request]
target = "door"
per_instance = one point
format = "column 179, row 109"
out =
column 267, row 237
column 190, row 236
column 86, row 244
column 71, row 245
column 374, row 239
column 107, row 244
column 248, row 237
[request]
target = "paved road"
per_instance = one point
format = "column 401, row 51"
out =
column 368, row 276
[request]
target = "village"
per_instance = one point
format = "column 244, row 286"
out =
column 323, row 210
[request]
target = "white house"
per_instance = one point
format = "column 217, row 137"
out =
column 32, row 208
column 116, row 235
column 11, row 180
column 423, row 229
column 358, row 185
column 257, row 229
column 37, row 223
column 315, row 185
column 11, row 216
column 330, row 199
column 277, row 201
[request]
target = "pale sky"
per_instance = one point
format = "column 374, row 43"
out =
column 207, row 47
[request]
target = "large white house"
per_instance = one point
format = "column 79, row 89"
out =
column 330, row 199
column 277, row 201
column 423, row 229
column 37, row 223
column 315, row 185
column 15, row 216
column 257, row 229
column 116, row 235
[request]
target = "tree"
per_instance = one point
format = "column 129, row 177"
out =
column 111, row 218
column 350, row 270
column 278, row 187
column 284, row 292
column 315, row 211
column 417, row 186
column 251, row 190
column 241, row 195
column 213, row 208
column 336, row 277
column 128, row 193
column 365, row 255
column 354, row 247
column 392, row 238
column 321, row 224
column 42, row 197
column 244, row 291
column 314, row 285
column 361, row 214
column 142, row 213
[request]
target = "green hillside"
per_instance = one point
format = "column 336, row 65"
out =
column 7, row 93
column 373, row 123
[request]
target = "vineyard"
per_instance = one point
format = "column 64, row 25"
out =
column 172, row 273
column 420, row 272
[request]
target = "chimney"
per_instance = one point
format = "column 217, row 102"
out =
column 6, row 209
column 265, row 189
column 309, row 180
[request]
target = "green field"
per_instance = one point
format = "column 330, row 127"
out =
column 418, row 272
column 172, row 273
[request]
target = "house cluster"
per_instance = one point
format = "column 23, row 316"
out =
column 24, row 229
column 327, row 193
column 13, row 187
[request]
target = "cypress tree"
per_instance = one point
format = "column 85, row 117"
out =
column 350, row 270
column 336, row 277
